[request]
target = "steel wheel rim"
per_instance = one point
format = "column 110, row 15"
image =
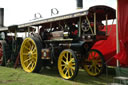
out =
column 66, row 65
column 93, row 65
column 1, row 54
column 28, row 55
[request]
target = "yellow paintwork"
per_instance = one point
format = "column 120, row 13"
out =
column 28, row 55
column 66, row 64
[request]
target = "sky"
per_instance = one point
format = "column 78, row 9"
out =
column 22, row 11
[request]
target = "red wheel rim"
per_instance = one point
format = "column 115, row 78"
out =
column 93, row 65
column 1, row 53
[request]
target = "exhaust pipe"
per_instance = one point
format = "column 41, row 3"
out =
column 1, row 17
column 79, row 4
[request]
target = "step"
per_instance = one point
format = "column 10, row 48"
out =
column 121, row 78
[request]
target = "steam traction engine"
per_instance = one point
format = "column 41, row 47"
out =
column 66, row 41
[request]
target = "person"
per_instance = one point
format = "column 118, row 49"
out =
column 73, row 30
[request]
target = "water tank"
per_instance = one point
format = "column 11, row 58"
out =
column 1, row 17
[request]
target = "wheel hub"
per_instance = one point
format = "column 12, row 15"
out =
column 30, row 53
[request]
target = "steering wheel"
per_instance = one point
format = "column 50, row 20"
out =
column 85, row 26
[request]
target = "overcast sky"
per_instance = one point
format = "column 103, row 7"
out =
column 21, row 11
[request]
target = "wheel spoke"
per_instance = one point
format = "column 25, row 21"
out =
column 63, row 65
column 25, row 53
column 27, row 48
column 29, row 43
column 98, row 57
column 72, row 59
column 67, row 57
column 99, row 61
column 98, row 69
column 27, row 60
column 99, row 65
column 95, row 69
column 94, row 54
column 73, row 64
column 64, row 68
column 34, row 59
column 34, row 50
column 91, row 55
column 63, row 61
column 33, row 64
column 34, row 53
column 90, row 67
column 68, row 73
column 29, row 64
column 72, row 72
column 73, row 68
column 32, row 47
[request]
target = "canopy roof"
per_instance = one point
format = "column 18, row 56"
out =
column 101, row 12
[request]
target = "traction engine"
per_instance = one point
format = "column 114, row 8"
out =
column 65, row 41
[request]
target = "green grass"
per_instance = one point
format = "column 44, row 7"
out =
column 11, row 76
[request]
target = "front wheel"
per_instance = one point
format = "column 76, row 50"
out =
column 30, row 54
column 94, row 63
column 68, row 64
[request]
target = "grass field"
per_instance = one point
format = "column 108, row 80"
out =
column 11, row 76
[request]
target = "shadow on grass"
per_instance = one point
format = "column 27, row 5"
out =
column 82, row 76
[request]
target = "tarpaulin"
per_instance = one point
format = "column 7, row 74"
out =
column 108, row 47
column 122, row 56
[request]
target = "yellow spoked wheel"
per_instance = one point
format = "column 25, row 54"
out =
column 68, row 64
column 30, row 54
column 94, row 64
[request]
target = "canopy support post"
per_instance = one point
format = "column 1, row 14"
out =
column 117, row 35
column 79, row 27
column 106, row 24
column 94, row 23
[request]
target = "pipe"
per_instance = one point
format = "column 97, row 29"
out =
column 1, row 17
column 74, row 46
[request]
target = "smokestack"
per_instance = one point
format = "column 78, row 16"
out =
column 1, row 17
column 79, row 4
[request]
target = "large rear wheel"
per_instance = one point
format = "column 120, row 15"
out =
column 4, row 52
column 1, row 54
column 68, row 64
column 30, row 54
column 94, row 63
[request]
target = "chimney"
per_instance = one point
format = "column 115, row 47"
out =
column 79, row 4
column 1, row 17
